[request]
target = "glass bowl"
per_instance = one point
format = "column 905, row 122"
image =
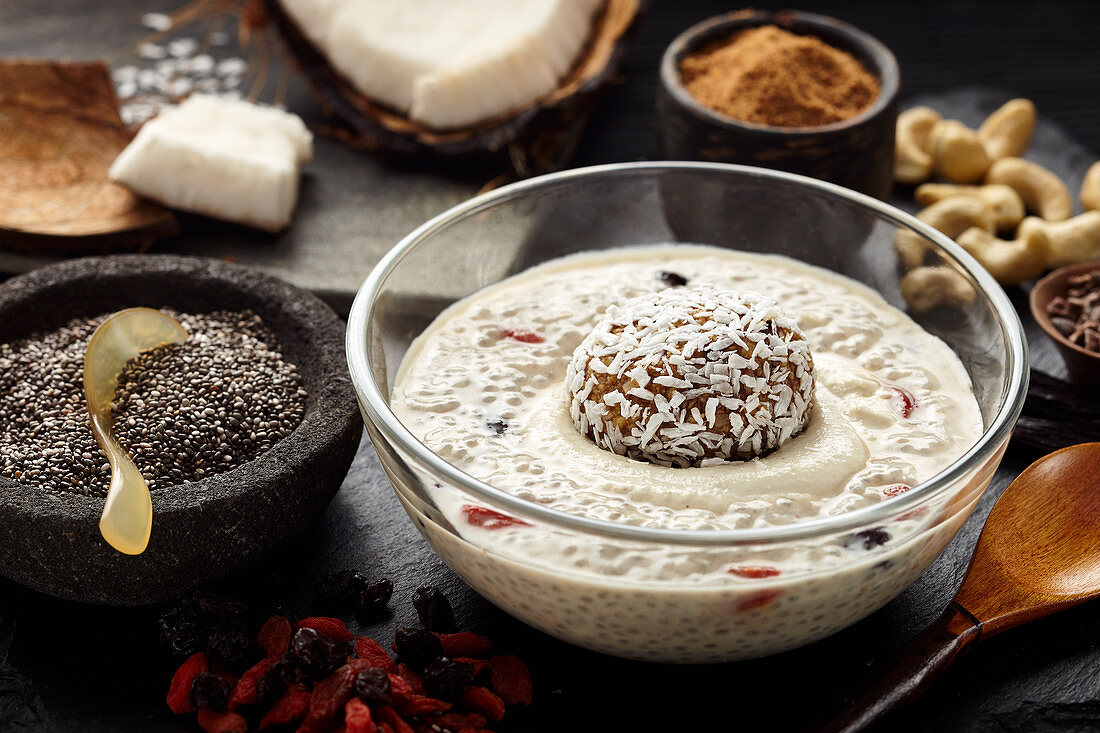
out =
column 680, row 618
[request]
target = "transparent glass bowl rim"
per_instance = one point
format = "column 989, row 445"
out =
column 387, row 423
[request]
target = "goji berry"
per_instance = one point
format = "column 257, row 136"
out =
column 421, row 705
column 357, row 717
column 455, row 721
column 290, row 708
column 753, row 571
column 465, row 644
column 222, row 721
column 389, row 717
column 758, row 600
column 510, row 679
column 521, row 334
column 903, row 401
column 274, row 636
column 896, row 489
column 480, row 516
column 179, row 691
column 477, row 664
column 331, row 627
column 308, row 726
column 484, row 701
column 246, row 691
column 913, row 513
column 373, row 652
column 384, row 728
column 416, row 682
column 399, row 687
column 331, row 694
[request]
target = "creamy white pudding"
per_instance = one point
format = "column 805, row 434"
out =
column 485, row 388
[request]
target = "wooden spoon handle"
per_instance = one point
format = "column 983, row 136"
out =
column 905, row 676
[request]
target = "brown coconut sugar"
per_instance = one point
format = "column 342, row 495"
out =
column 770, row 76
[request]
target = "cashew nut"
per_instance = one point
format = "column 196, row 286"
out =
column 952, row 216
column 912, row 161
column 1008, row 207
column 1090, row 189
column 957, row 153
column 927, row 287
column 1008, row 262
column 1042, row 191
column 1071, row 241
column 1007, row 132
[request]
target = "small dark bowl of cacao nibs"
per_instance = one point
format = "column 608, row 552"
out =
column 1066, row 304
column 244, row 433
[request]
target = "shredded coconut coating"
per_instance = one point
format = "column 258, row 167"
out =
column 692, row 377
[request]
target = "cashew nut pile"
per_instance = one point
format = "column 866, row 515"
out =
column 990, row 190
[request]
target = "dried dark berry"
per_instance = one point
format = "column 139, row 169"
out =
column 274, row 681
column 235, row 648
column 182, row 631
column 497, row 426
column 224, row 612
column 186, row 629
column 672, row 279
column 373, row 600
column 210, row 691
column 373, row 686
column 316, row 655
column 434, row 610
column 447, row 679
column 339, row 591
column 868, row 538
column 417, row 647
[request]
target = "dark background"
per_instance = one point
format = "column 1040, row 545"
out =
column 92, row 669
column 1048, row 52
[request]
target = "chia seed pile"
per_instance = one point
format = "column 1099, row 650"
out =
column 183, row 411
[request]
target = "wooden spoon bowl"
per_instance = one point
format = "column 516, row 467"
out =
column 1038, row 553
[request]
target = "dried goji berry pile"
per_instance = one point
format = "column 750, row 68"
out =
column 316, row 675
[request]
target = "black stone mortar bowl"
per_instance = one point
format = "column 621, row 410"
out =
column 856, row 153
column 205, row 529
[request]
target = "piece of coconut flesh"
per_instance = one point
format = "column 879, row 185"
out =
column 448, row 63
column 224, row 158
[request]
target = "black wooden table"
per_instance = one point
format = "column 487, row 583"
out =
column 78, row 668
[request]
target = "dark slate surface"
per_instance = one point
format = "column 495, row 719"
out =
column 91, row 669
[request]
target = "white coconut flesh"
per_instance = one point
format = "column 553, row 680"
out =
column 448, row 63
column 224, row 158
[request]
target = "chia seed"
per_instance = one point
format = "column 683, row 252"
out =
column 183, row 411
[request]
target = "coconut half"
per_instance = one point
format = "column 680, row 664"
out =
column 399, row 110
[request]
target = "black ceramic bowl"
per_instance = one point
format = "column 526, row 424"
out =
column 857, row 153
column 201, row 530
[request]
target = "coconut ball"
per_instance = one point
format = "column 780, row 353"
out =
column 692, row 377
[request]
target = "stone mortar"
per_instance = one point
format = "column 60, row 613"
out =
column 204, row 529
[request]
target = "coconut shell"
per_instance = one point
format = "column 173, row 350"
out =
column 533, row 134
column 60, row 130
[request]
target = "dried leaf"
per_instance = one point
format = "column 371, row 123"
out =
column 60, row 131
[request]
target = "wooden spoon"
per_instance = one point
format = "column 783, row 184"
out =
column 127, row 519
column 1038, row 553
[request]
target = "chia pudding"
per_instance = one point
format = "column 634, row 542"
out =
column 656, row 387
column 182, row 411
